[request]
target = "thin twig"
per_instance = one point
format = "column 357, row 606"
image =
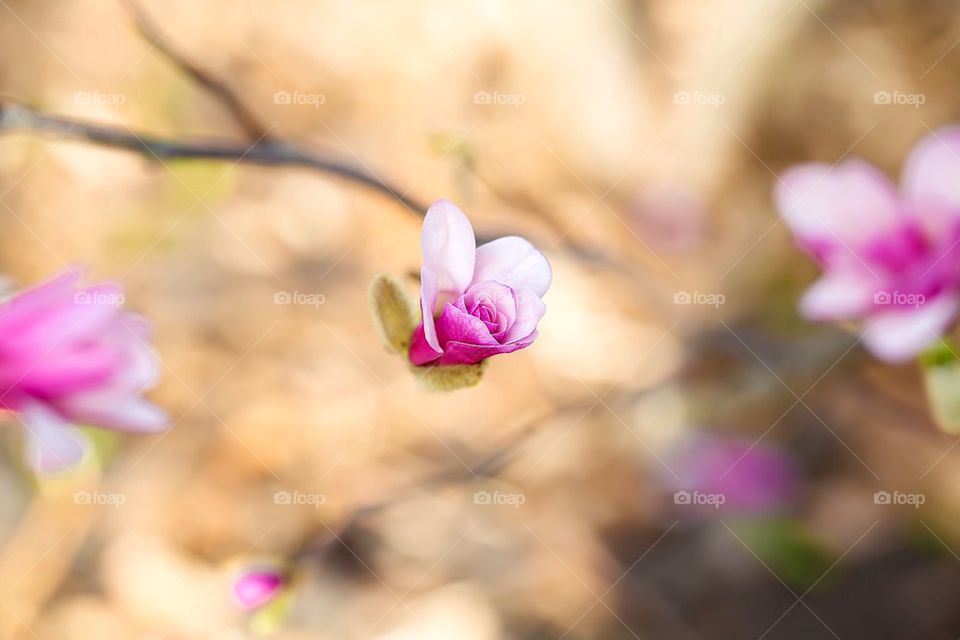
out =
column 17, row 116
column 489, row 466
column 245, row 118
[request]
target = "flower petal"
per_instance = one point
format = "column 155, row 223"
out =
column 116, row 411
column 838, row 296
column 514, row 262
column 53, row 444
column 502, row 297
column 449, row 247
column 898, row 335
column 455, row 324
column 529, row 311
column 428, row 300
column 420, row 351
column 835, row 208
column 931, row 180
column 462, row 353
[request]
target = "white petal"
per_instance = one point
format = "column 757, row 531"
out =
column 844, row 205
column 514, row 262
column 898, row 335
column 931, row 180
column 837, row 297
column 53, row 444
column 449, row 246
column 428, row 300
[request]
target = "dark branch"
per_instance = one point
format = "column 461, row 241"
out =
column 244, row 117
column 266, row 152
column 290, row 154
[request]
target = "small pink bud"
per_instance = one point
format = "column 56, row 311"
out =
column 257, row 587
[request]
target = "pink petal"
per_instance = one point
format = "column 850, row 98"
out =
column 455, row 324
column 529, row 311
column 931, row 180
column 901, row 334
column 838, row 296
column 837, row 208
column 420, row 352
column 120, row 412
column 63, row 370
column 500, row 295
column 448, row 246
column 52, row 443
column 514, row 262
column 429, row 292
column 256, row 588
column 60, row 284
column 463, row 353
column 23, row 308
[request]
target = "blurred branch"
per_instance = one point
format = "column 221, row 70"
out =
column 489, row 466
column 260, row 148
column 265, row 151
column 250, row 124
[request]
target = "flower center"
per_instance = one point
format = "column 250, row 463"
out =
column 486, row 310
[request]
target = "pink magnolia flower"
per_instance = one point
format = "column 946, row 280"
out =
column 256, row 587
column 475, row 302
column 732, row 475
column 890, row 258
column 69, row 356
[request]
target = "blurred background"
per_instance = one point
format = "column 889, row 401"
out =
column 693, row 460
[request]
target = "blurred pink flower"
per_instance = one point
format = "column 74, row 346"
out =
column 891, row 258
column 256, row 587
column 724, row 474
column 69, row 356
column 475, row 302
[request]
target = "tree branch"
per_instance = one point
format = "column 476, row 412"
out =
column 244, row 117
column 267, row 152
column 489, row 466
